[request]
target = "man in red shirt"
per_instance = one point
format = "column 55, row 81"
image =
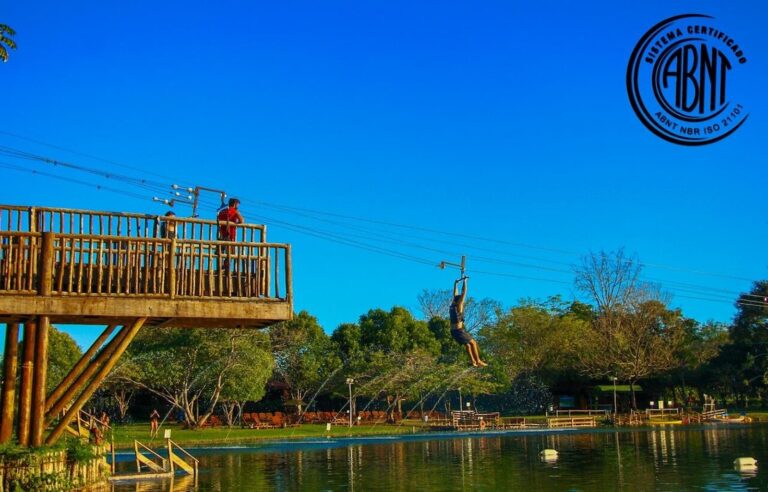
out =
column 227, row 219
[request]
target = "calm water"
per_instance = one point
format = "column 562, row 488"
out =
column 667, row 459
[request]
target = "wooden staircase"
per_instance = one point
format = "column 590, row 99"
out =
column 150, row 464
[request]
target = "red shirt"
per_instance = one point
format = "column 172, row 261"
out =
column 228, row 232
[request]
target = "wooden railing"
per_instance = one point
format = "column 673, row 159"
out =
column 662, row 412
column 714, row 414
column 182, row 461
column 580, row 413
column 19, row 254
column 97, row 223
column 77, row 264
column 142, row 460
column 583, row 421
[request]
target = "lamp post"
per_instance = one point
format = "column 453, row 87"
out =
column 350, row 381
column 615, row 407
column 461, row 403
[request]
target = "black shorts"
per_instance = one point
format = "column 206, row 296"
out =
column 461, row 336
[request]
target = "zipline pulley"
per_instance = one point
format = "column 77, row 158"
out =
column 461, row 266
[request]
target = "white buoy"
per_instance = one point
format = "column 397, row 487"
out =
column 548, row 454
column 745, row 462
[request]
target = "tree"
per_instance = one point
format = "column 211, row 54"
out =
column 610, row 280
column 6, row 41
column 534, row 339
column 63, row 354
column 389, row 354
column 743, row 364
column 304, row 356
column 633, row 334
column 395, row 331
column 701, row 345
column 192, row 368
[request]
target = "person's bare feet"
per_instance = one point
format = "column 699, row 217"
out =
column 474, row 364
column 481, row 363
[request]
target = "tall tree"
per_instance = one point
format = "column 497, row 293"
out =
column 304, row 356
column 6, row 41
column 633, row 335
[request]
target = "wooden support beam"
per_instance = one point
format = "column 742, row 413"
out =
column 25, row 390
column 83, row 378
column 53, row 398
column 94, row 384
column 10, row 361
column 37, row 423
column 193, row 312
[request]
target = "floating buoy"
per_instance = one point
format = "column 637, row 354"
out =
column 548, row 454
column 745, row 463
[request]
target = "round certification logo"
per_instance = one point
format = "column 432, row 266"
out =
column 682, row 80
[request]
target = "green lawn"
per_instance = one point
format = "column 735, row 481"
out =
column 124, row 435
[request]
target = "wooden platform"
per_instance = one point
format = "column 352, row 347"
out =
column 86, row 267
column 63, row 266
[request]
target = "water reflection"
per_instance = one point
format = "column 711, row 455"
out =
column 667, row 458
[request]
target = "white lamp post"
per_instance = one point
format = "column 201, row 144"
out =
column 350, row 381
column 615, row 407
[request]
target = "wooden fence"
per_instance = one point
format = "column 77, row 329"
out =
column 77, row 264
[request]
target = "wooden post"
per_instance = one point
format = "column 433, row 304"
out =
column 136, row 454
column 25, row 390
column 172, row 269
column 170, row 456
column 38, row 383
column 10, row 357
column 288, row 281
column 95, row 382
column 45, row 283
column 78, row 369
column 83, row 378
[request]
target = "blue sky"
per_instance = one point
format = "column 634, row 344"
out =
column 507, row 121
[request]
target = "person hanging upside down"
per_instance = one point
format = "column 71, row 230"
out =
column 458, row 332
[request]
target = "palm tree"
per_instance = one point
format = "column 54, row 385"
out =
column 6, row 32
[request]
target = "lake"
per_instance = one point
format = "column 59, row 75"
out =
column 672, row 458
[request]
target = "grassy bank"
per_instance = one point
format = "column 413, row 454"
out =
column 124, row 435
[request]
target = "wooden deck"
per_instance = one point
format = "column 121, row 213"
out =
column 90, row 267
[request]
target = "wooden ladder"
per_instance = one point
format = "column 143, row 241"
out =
column 177, row 460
